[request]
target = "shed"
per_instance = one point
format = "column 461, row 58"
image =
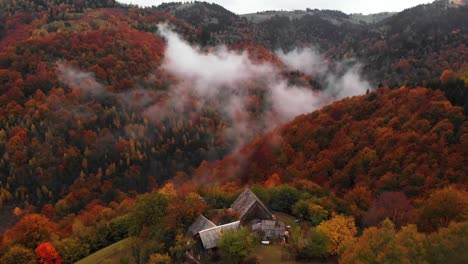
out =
column 201, row 223
column 209, row 237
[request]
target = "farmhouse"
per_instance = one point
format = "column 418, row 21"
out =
column 251, row 213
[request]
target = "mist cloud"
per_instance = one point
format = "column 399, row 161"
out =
column 210, row 73
column 215, row 72
column 291, row 101
column 343, row 79
column 207, row 72
column 307, row 60
column 228, row 77
column 77, row 79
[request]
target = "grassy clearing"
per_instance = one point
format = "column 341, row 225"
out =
column 273, row 254
column 291, row 220
column 285, row 218
column 112, row 253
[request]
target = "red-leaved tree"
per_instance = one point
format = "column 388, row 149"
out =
column 47, row 254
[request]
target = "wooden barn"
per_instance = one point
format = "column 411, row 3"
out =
column 249, row 208
column 251, row 212
column 200, row 224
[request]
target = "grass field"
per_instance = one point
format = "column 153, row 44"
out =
column 273, row 254
column 291, row 220
column 285, row 218
column 110, row 254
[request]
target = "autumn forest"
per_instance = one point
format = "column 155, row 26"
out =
column 123, row 125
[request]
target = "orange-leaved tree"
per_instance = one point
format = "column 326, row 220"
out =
column 30, row 231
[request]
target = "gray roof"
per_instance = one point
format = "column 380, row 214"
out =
column 210, row 237
column 245, row 201
column 201, row 223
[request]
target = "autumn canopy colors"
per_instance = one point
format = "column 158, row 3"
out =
column 96, row 144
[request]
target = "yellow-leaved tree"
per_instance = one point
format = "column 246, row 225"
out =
column 169, row 190
column 340, row 231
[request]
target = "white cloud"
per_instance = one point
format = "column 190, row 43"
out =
column 307, row 60
column 227, row 76
column 292, row 101
column 218, row 68
column 76, row 79
column 337, row 85
column 230, row 74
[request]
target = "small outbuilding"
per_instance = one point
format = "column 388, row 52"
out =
column 201, row 223
column 209, row 237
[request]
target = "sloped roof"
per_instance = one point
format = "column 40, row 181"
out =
column 210, row 237
column 245, row 201
column 201, row 223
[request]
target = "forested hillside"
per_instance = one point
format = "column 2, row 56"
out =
column 408, row 139
column 85, row 99
column 412, row 47
column 118, row 121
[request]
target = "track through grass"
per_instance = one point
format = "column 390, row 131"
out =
column 112, row 252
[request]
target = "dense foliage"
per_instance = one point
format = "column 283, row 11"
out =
column 236, row 246
column 409, row 140
column 408, row 245
column 92, row 151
